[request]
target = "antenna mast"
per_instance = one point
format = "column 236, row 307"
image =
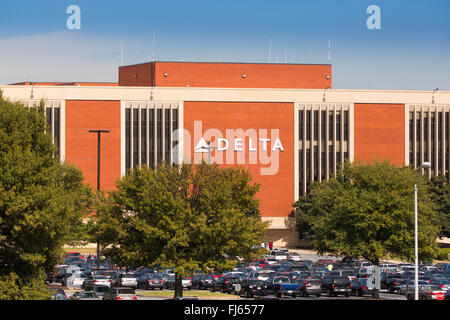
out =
column 153, row 46
column 270, row 49
column 329, row 51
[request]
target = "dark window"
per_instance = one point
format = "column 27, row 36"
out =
column 167, row 135
column 418, row 140
column 331, row 160
column 127, row 139
column 308, row 125
column 144, row 136
column 151, row 137
column 316, row 124
column 316, row 163
column 338, row 125
column 433, row 140
column 135, row 137
column 301, row 172
column 300, row 124
column 159, row 135
column 308, row 167
column 56, row 133
column 411, row 139
column 174, row 128
column 346, row 125
column 330, row 126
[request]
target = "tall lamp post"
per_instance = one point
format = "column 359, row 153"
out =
column 425, row 165
column 209, row 148
column 99, row 134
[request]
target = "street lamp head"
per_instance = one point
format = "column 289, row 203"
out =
column 426, row 165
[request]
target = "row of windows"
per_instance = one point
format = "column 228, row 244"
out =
column 323, row 143
column 429, row 139
column 53, row 121
column 149, row 137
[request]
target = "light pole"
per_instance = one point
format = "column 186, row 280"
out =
column 209, row 148
column 424, row 165
column 99, row 133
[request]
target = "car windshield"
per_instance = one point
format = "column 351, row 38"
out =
column 125, row 291
column 281, row 280
column 88, row 295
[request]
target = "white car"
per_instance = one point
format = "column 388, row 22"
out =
column 76, row 280
column 124, row 280
column 294, row 256
column 100, row 280
column 186, row 283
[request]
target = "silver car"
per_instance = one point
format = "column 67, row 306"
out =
column 427, row 292
column 120, row 294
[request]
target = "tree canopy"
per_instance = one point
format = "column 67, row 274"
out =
column 41, row 199
column 368, row 211
column 190, row 217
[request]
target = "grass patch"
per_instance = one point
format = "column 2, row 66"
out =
column 186, row 293
column 82, row 250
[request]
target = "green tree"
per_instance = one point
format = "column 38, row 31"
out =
column 187, row 217
column 440, row 194
column 41, row 199
column 368, row 211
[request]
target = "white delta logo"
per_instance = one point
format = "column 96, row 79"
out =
column 235, row 146
column 223, row 144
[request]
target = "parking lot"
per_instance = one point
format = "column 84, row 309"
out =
column 280, row 275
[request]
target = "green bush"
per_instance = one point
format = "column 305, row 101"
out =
column 14, row 288
column 443, row 253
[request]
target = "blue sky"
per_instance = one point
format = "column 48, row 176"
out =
column 411, row 51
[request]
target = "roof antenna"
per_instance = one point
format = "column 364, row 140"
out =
column 121, row 52
column 270, row 49
column 329, row 51
column 153, row 45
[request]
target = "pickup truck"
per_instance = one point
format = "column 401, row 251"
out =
column 288, row 289
column 333, row 286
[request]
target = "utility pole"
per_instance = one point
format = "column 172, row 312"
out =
column 99, row 133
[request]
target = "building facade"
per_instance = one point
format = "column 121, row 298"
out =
column 283, row 122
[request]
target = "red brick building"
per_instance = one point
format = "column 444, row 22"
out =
column 282, row 121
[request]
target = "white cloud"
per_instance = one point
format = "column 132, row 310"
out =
column 59, row 56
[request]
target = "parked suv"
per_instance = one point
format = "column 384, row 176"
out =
column 334, row 286
column 124, row 280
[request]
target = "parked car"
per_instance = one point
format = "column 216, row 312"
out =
column 351, row 274
column 408, row 285
column 124, row 280
column 97, row 289
column 150, row 281
column 389, row 281
column 362, row 286
column 444, row 284
column 253, row 287
column 273, row 284
column 334, row 286
column 84, row 295
column 294, row 256
column 75, row 280
column 202, row 281
column 427, row 292
column 58, row 294
column 120, row 294
column 309, row 287
column 96, row 280
column 225, row 284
